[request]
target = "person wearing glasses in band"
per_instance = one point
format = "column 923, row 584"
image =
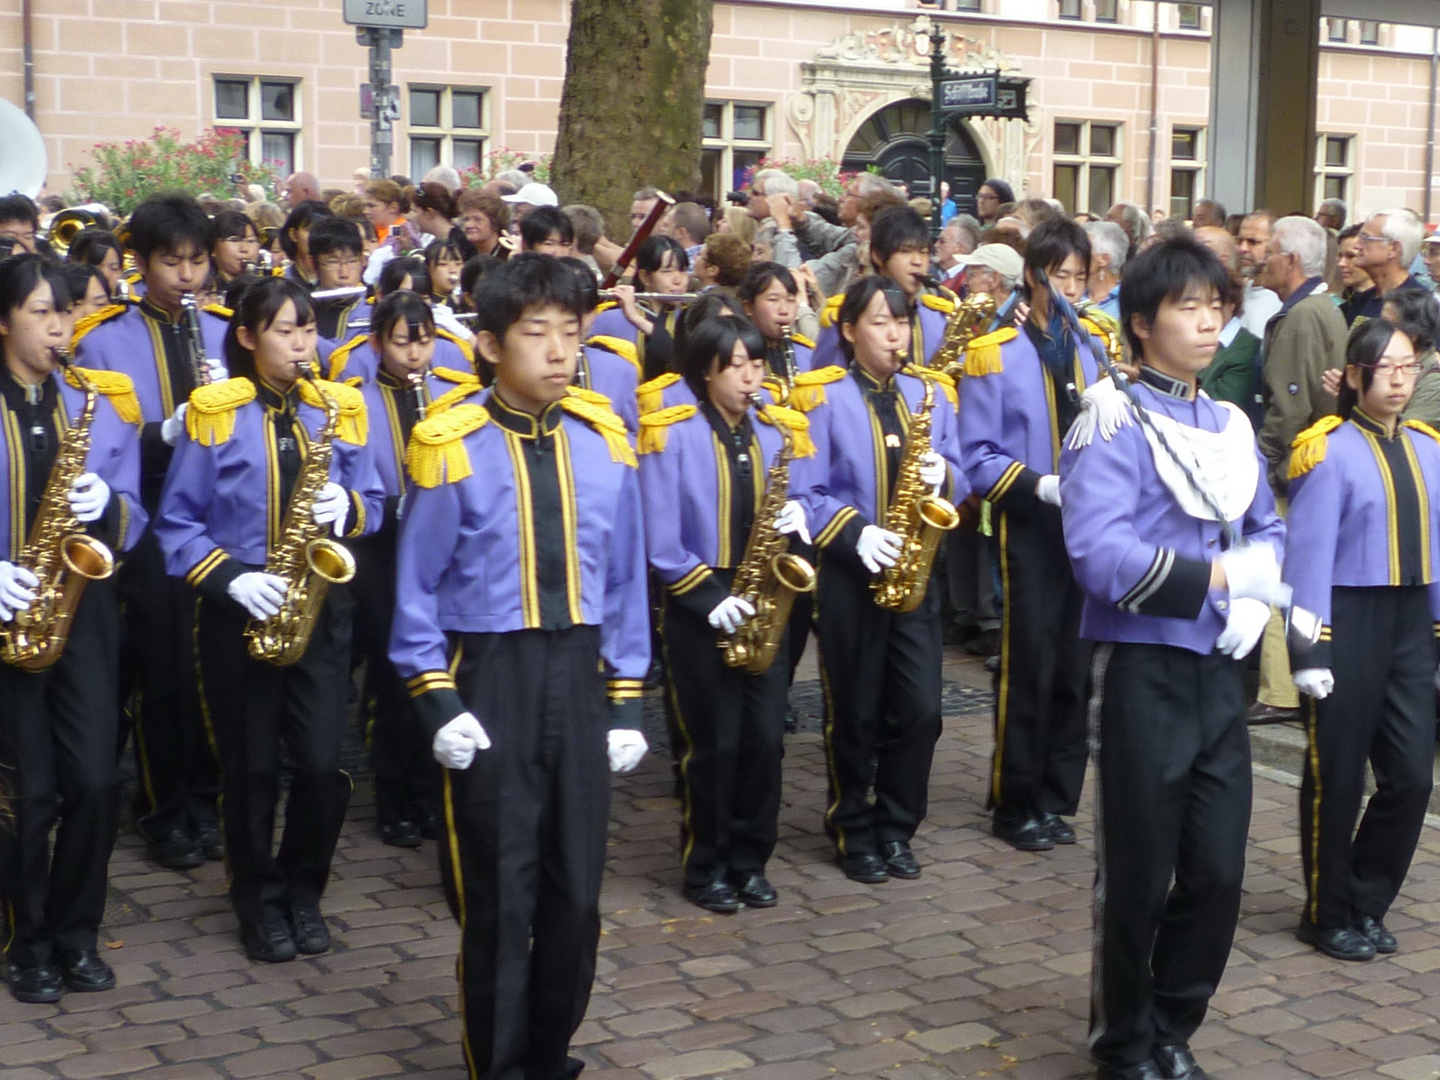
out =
column 1363, row 553
column 339, row 254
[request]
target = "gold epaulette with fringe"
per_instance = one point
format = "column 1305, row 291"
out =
column 938, row 303
column 831, row 311
column 210, row 419
column 939, row 378
column 606, row 306
column 584, row 393
column 118, row 388
column 436, row 454
column 353, row 426
column 652, row 393
column 1422, row 427
column 655, row 427
column 620, row 347
column 341, row 356
column 809, row 389
column 94, row 319
column 1308, row 449
column 603, row 419
column 464, row 387
column 465, row 349
column 982, row 355
column 797, row 422
column 801, row 339
column 218, row 310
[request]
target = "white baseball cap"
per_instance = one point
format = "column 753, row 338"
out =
column 1001, row 258
column 533, row 195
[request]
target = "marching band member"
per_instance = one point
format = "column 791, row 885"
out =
column 242, row 462
column 771, row 299
column 1174, row 612
column 881, row 667
column 58, row 736
column 1362, row 554
column 295, row 241
column 149, row 342
column 356, row 360
column 234, row 246
column 661, row 268
column 606, row 365
column 339, row 254
column 1022, row 391
column 703, row 474
column 537, row 486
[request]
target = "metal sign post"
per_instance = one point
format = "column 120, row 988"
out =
column 380, row 26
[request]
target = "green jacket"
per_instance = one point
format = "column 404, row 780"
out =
column 1300, row 344
column 1234, row 375
column 1425, row 405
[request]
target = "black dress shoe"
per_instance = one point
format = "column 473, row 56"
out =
column 1146, row 1070
column 307, row 927
column 36, row 984
column 900, row 860
column 1260, row 713
column 84, row 971
column 1340, row 942
column 792, row 721
column 865, row 867
column 176, row 850
column 430, row 825
column 207, row 839
column 269, row 940
column 1374, row 931
column 719, row 897
column 401, row 834
column 986, row 643
column 754, row 890
column 1023, row 834
column 1057, row 827
column 1177, row 1063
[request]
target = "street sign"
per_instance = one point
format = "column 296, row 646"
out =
column 367, row 101
column 398, row 14
column 969, row 94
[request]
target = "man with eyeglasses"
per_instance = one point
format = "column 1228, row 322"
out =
column 1389, row 242
column 1256, row 230
column 339, row 253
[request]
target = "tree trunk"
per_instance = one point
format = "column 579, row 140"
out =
column 631, row 108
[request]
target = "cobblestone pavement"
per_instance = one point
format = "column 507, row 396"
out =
column 980, row 968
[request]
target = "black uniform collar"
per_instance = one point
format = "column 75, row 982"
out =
column 1369, row 424
column 156, row 314
column 390, row 382
column 522, row 423
column 868, row 382
column 273, row 399
column 1164, row 384
column 18, row 393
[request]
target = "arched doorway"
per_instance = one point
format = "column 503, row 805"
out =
column 896, row 140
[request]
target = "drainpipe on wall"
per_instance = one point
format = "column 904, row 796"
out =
column 28, row 56
column 1154, row 104
column 1430, row 123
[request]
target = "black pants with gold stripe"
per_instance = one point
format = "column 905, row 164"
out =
column 58, row 736
column 524, row 847
column 881, row 672
column 252, row 707
column 1172, row 761
column 732, row 726
column 1042, row 686
column 1382, row 710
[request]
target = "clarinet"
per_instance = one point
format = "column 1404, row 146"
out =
column 194, row 339
column 417, row 388
column 582, row 370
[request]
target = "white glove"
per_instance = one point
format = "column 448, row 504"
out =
column 878, row 548
column 455, row 744
column 1253, row 571
column 1243, row 627
column 88, row 497
column 331, row 506
column 932, row 470
column 171, row 428
column 730, row 613
column 1048, row 489
column 1315, row 681
column 259, row 594
column 15, row 585
column 625, row 749
column 791, row 521
column 215, row 370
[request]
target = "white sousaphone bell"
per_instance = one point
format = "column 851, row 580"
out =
column 23, row 161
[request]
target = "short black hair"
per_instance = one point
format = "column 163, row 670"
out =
column 334, row 234
column 522, row 283
column 402, row 305
column 91, row 245
column 1003, row 191
column 585, row 285
column 1363, row 350
column 896, row 229
column 237, row 289
column 1052, row 242
column 651, row 256
column 302, row 216
column 709, row 305
column 761, row 276
column 1163, row 272
column 77, row 277
column 257, row 308
column 167, row 223
column 397, row 270
column 713, row 340
column 230, row 223
column 18, row 207
column 541, row 222
column 21, row 275
column 475, row 268
column 1419, row 316
column 439, row 250
column 858, row 297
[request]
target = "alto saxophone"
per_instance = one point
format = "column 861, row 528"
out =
column 769, row 576
column 58, row 552
column 306, row 558
column 918, row 516
column 962, row 326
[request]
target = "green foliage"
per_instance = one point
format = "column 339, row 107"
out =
column 498, row 161
column 125, row 173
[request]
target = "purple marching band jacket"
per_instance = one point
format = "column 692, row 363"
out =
column 393, row 410
column 611, row 366
column 1140, row 540
column 114, row 456
column 221, row 509
column 690, row 492
column 356, row 360
column 516, row 522
column 927, row 331
column 1362, row 514
column 845, row 485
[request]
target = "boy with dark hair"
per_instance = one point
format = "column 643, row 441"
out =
column 1173, row 609
column 155, row 343
column 1022, row 390
column 510, row 670
column 295, row 240
column 547, row 230
column 19, row 223
column 338, row 250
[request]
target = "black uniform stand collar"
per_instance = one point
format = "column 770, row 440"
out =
column 1164, row 384
column 524, row 424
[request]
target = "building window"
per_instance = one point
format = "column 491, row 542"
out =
column 267, row 112
column 1337, row 29
column 1069, row 9
column 1334, row 166
column 1187, row 158
column 1188, row 16
column 1107, row 10
column 446, row 127
column 968, row 5
column 736, row 137
column 1369, row 32
column 1087, row 165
